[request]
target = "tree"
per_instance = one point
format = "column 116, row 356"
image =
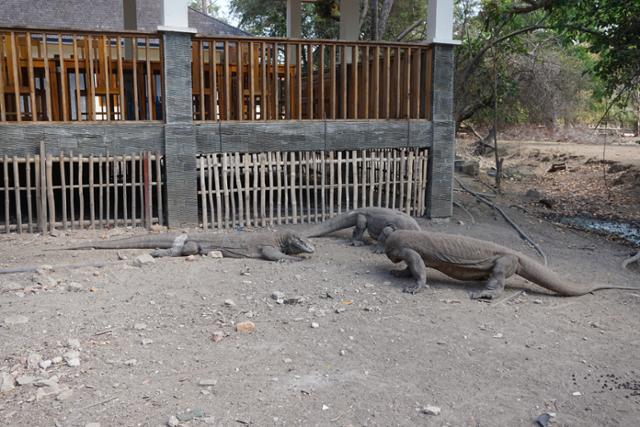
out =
column 208, row 7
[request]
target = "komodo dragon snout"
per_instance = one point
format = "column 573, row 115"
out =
column 293, row 244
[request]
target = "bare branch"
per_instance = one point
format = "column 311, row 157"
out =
column 409, row 29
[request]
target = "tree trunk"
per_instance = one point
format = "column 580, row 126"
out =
column 374, row 20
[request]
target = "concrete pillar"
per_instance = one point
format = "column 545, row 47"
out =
column 294, row 25
column 179, row 131
column 349, row 23
column 442, row 152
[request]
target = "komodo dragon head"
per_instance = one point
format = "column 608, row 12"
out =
column 292, row 244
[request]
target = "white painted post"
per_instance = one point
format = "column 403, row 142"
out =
column 175, row 16
column 349, row 23
column 440, row 22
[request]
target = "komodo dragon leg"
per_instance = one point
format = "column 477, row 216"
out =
column 382, row 237
column 503, row 267
column 272, row 253
column 415, row 268
column 357, row 238
column 186, row 249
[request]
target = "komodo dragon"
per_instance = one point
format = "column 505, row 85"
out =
column 373, row 220
column 269, row 246
column 465, row 258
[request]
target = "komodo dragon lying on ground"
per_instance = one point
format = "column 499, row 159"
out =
column 269, row 246
column 373, row 220
column 465, row 258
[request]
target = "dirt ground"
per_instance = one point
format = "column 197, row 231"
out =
column 357, row 351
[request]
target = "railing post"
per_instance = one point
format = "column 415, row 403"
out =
column 179, row 130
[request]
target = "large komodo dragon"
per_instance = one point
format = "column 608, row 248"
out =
column 270, row 246
column 373, row 220
column 465, row 258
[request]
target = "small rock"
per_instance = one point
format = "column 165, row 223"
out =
column 65, row 394
column 72, row 358
column 576, row 393
column 229, row 303
column 245, row 327
column 47, row 391
column 343, row 352
column 207, row 383
column 277, row 295
column 44, row 269
column 57, row 359
column 33, row 360
column 44, row 364
column 215, row 254
column 74, row 287
column 287, row 360
column 121, row 256
column 146, row 341
column 46, row 382
column 217, row 336
column 189, row 415
column 73, row 343
column 6, row 382
column 25, row 380
column 92, row 425
column 325, row 407
column 140, row 326
column 190, row 258
column 130, row 362
column 173, row 421
column 16, row 320
column 295, row 300
column 537, row 301
column 431, row 410
column 143, row 260
column 498, row 335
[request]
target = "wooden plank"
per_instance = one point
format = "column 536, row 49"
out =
column 354, row 82
column 72, row 196
column 321, row 95
column 264, row 105
column 42, row 173
column 125, row 198
column 307, row 161
column 212, row 163
column 3, row 107
column 203, row 195
column 263, row 189
column 92, row 198
column 310, row 82
column 134, row 68
column 149, row 80
column 16, row 79
column 366, row 84
column 16, row 193
column 206, row 163
column 76, row 71
column 63, row 189
column 134, row 196
column 225, row 188
column 227, row 86
column 234, row 213
column 354, row 165
column 287, row 82
column 331, row 181
column 332, row 83
column 294, row 203
column 121, row 94
column 239, row 189
column 372, row 176
column 89, row 80
column 387, row 180
column 395, row 169
column 276, row 85
column 397, row 95
column 252, row 84
column 364, row 178
column 148, row 202
column 285, row 188
column 415, row 84
column 5, row 177
column 271, row 186
column 375, row 87
column 106, row 67
column 239, row 82
column 347, row 166
column 101, row 190
column 298, row 106
column 50, row 198
column 81, row 189
column 386, row 83
column 343, row 82
column 32, row 90
column 29, row 193
column 108, row 189
column 322, row 184
column 201, row 78
column 213, row 82
column 428, row 84
column 40, row 214
column 302, row 183
column 247, row 188
column 339, row 176
column 279, row 180
column 406, row 90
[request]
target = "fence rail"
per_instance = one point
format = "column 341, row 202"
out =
column 280, row 79
column 43, row 192
column 260, row 189
column 73, row 76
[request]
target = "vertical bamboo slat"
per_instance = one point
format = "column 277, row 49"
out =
column 63, row 189
column 292, row 186
column 5, row 177
column 101, row 185
column 29, row 193
column 16, row 193
column 3, row 107
column 50, row 197
column 72, row 197
column 81, row 190
column 76, row 74
column 32, row 90
column 203, row 196
column 279, row 180
column 89, row 80
column 271, row 186
column 92, row 200
column 16, row 79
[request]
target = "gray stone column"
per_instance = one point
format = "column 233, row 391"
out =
column 441, row 154
column 179, row 132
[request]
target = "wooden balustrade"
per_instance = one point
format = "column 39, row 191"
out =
column 282, row 79
column 71, row 76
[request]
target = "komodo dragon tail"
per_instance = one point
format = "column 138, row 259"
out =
column 338, row 223
column 164, row 241
column 541, row 275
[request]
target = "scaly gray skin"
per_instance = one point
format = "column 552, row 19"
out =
column 373, row 220
column 269, row 246
column 465, row 258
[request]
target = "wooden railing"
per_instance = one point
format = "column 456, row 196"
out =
column 283, row 79
column 71, row 76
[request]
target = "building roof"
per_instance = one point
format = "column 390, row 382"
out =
column 106, row 15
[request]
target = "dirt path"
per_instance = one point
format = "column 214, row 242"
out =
column 376, row 358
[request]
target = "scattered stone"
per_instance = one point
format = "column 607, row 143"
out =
column 315, row 325
column 431, row 410
column 217, row 336
column 130, row 362
column 207, row 382
column 73, row 343
column 46, row 382
column 25, row 380
column 372, row 308
column 44, row 364
column 173, row 421
column 72, row 358
column 498, row 335
column 57, row 359
column 65, row 394
column 6, row 382
column 143, row 260
column 229, row 303
column 245, row 327
column 215, row 254
column 47, row 391
column 16, row 320
column 295, row 300
column 140, row 326
column 190, row 258
column 325, row 407
column 343, row 352
column 92, row 425
column 537, row 301
column 74, row 287
column 189, row 415
column 533, row 194
column 146, row 341
column 44, row 269
column 576, row 393
column 278, row 296
column 287, row 360
column 121, row 256
column 33, row 360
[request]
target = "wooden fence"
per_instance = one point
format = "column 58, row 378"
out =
column 283, row 79
column 72, row 76
column 43, row 192
column 260, row 189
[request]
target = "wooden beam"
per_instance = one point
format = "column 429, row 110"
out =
column 134, row 67
column 77, row 77
column 123, row 102
column 91, row 98
column 239, row 80
column 16, row 79
column 32, row 90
